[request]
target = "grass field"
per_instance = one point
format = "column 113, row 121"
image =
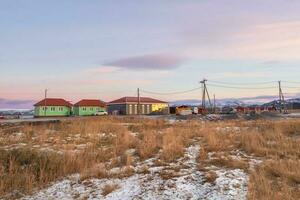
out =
column 260, row 159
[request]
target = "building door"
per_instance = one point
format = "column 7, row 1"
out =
column 130, row 109
column 143, row 109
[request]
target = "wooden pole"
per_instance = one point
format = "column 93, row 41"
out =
column 139, row 101
column 214, row 104
column 203, row 93
column 45, row 104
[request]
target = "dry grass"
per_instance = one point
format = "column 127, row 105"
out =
column 227, row 162
column 44, row 153
column 149, row 145
column 173, row 146
column 96, row 171
column 168, row 174
column 211, row 177
column 52, row 151
column 109, row 188
column 26, row 169
column 276, row 142
column 276, row 179
column 278, row 176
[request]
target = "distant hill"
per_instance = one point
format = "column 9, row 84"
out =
column 219, row 103
column 290, row 103
column 7, row 112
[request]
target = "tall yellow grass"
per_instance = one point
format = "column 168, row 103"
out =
column 92, row 146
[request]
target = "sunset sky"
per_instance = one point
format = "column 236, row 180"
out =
column 106, row 49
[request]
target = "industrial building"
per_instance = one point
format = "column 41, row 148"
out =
column 129, row 106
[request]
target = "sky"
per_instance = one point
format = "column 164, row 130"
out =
column 107, row 49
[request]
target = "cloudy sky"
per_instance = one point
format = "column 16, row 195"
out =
column 106, row 49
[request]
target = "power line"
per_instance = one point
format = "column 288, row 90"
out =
column 243, row 88
column 170, row 93
column 236, row 83
column 292, row 82
column 291, row 86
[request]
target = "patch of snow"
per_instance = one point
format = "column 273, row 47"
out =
column 187, row 184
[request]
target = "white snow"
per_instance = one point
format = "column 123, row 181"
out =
column 187, row 184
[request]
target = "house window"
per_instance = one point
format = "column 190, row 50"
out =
column 91, row 108
column 52, row 108
column 60, row 109
column 84, row 108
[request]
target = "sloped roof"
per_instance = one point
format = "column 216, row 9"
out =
column 125, row 100
column 53, row 102
column 90, row 102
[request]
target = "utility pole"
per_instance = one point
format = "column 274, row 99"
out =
column 279, row 94
column 139, row 101
column 214, row 104
column 204, row 93
column 45, row 105
column 211, row 106
column 281, row 99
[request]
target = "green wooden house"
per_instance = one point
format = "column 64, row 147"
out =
column 52, row 107
column 88, row 107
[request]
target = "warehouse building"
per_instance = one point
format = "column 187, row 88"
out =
column 129, row 106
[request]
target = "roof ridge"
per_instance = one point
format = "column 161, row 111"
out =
column 127, row 99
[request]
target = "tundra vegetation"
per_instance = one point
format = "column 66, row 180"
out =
column 33, row 156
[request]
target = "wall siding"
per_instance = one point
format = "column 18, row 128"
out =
column 134, row 109
column 87, row 110
column 121, row 108
column 39, row 111
column 131, row 109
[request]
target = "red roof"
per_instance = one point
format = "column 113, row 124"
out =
column 90, row 102
column 125, row 100
column 53, row 102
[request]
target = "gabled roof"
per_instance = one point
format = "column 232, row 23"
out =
column 53, row 102
column 90, row 102
column 125, row 100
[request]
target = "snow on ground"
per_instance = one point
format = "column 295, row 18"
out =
column 187, row 183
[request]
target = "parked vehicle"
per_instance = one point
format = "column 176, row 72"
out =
column 101, row 113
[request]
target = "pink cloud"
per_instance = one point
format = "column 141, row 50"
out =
column 271, row 41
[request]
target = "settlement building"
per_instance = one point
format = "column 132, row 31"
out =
column 129, row 106
column 88, row 107
column 51, row 107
